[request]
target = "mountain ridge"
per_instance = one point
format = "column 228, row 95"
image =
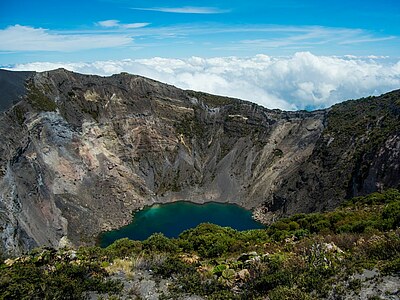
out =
column 83, row 145
column 12, row 86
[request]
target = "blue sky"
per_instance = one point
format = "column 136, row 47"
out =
column 89, row 30
column 281, row 54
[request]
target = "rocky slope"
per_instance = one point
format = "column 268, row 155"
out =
column 79, row 153
column 12, row 86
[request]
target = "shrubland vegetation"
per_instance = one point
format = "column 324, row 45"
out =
column 38, row 100
column 367, row 125
column 305, row 256
column 212, row 100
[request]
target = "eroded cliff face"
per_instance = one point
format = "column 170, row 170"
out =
column 79, row 153
column 357, row 154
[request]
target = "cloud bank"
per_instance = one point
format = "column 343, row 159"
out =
column 302, row 81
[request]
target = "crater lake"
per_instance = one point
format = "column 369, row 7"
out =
column 173, row 218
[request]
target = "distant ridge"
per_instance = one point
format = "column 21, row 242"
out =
column 12, row 86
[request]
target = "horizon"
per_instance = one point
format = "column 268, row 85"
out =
column 284, row 55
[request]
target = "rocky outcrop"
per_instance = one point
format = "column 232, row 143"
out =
column 79, row 153
column 357, row 154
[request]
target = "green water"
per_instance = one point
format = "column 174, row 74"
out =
column 171, row 219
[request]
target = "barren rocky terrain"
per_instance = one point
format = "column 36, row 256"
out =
column 80, row 153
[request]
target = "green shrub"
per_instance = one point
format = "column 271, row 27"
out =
column 192, row 284
column 209, row 240
column 173, row 265
column 48, row 275
column 254, row 236
column 319, row 226
column 270, row 280
column 355, row 285
column 279, row 235
column 382, row 247
column 286, row 293
column 294, row 225
column 38, row 100
column 159, row 242
column 301, row 233
column 391, row 215
column 391, row 266
column 281, row 225
column 123, row 248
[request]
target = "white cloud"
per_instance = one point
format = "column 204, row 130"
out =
column 302, row 37
column 134, row 25
column 112, row 33
column 185, row 10
column 25, row 38
column 117, row 24
column 368, row 39
column 301, row 81
column 108, row 23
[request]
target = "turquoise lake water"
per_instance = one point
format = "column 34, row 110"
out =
column 171, row 219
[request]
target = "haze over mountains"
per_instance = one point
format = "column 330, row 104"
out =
column 81, row 145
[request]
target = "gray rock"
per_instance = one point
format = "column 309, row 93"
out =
column 79, row 153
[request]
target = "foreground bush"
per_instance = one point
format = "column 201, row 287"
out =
column 47, row 274
column 304, row 256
